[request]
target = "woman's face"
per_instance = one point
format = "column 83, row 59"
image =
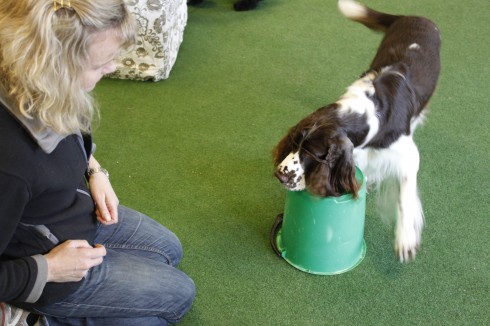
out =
column 102, row 52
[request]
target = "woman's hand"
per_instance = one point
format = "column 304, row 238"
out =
column 71, row 260
column 105, row 198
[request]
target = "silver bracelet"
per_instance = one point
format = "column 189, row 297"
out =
column 92, row 171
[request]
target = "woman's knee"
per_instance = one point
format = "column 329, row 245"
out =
column 145, row 232
column 184, row 295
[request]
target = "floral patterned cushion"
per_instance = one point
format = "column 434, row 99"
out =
column 161, row 26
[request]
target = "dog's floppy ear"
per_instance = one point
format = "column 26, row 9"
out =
column 288, row 144
column 318, row 181
column 344, row 171
column 336, row 175
column 282, row 149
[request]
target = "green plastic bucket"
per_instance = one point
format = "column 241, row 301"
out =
column 323, row 235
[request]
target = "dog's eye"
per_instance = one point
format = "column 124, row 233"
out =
column 312, row 156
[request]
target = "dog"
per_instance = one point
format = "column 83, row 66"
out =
column 372, row 126
column 240, row 5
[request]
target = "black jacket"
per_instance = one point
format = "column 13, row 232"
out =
column 44, row 201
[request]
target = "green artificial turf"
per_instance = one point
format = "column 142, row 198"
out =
column 194, row 152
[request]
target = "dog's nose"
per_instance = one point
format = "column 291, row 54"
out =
column 281, row 176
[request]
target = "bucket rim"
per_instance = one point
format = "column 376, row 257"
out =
column 341, row 198
column 316, row 272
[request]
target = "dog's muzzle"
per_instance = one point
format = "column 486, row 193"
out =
column 291, row 173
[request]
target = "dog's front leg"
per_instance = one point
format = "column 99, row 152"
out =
column 361, row 158
column 410, row 217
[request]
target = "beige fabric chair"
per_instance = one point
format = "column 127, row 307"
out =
column 161, row 26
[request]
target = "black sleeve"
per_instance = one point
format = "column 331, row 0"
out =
column 17, row 276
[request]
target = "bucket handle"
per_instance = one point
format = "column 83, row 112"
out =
column 274, row 230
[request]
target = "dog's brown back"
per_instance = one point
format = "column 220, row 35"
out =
column 411, row 46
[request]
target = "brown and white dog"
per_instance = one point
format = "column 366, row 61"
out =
column 372, row 126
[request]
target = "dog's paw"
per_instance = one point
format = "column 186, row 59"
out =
column 407, row 242
column 406, row 253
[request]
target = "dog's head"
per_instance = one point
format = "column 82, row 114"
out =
column 317, row 155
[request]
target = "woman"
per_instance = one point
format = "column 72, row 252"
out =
column 70, row 252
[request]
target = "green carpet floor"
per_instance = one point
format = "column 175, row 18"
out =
column 194, row 152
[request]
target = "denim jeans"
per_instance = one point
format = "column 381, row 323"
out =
column 138, row 282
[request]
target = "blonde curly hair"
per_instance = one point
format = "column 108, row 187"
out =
column 43, row 50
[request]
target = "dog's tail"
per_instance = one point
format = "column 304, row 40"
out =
column 371, row 18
